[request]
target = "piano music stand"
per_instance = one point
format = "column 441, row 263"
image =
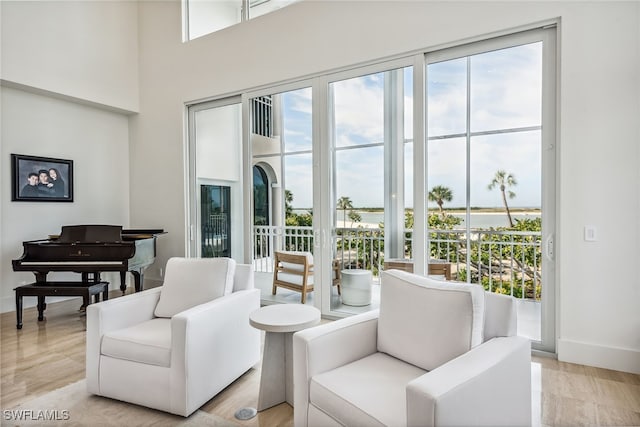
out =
column 59, row 289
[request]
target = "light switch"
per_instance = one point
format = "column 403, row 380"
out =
column 590, row 233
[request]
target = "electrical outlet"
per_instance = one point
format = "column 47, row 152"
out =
column 161, row 272
column 590, row 233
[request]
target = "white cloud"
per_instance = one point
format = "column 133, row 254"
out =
column 506, row 90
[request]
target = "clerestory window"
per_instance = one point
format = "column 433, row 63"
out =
column 202, row 17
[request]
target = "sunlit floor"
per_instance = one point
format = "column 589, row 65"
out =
column 528, row 311
column 44, row 356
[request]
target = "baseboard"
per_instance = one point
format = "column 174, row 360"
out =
column 618, row 359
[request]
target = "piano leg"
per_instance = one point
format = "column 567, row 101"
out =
column 138, row 276
column 123, row 281
column 41, row 307
column 18, row 310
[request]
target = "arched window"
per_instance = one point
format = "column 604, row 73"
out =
column 260, row 196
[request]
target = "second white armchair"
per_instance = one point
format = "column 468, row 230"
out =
column 435, row 354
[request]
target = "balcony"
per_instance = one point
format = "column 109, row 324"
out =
column 506, row 262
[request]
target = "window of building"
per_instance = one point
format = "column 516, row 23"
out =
column 202, row 17
column 262, row 116
column 260, row 196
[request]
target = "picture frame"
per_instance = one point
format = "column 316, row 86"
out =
column 41, row 179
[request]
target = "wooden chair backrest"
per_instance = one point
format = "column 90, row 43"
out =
column 293, row 258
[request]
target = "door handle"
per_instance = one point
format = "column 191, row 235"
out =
column 549, row 247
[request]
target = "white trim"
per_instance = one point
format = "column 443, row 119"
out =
column 616, row 358
column 420, row 166
column 323, row 189
column 247, row 178
column 550, row 190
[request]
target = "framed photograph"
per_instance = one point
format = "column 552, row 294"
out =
column 41, row 179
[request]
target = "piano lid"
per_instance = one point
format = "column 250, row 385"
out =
column 90, row 233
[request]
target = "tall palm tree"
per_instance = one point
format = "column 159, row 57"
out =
column 343, row 204
column 288, row 200
column 440, row 194
column 503, row 180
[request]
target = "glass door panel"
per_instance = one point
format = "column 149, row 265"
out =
column 513, row 76
column 446, row 206
column 215, row 223
column 282, row 162
column 485, row 171
column 371, row 132
column 447, row 98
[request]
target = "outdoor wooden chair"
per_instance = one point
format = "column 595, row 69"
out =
column 294, row 271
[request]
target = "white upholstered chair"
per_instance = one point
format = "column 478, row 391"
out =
column 435, row 354
column 174, row 347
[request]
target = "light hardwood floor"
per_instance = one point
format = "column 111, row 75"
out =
column 47, row 355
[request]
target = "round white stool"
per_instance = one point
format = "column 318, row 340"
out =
column 356, row 287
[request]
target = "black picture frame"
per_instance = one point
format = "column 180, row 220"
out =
column 46, row 188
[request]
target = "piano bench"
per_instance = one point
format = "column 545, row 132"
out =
column 58, row 289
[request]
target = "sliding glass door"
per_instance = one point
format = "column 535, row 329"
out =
column 490, row 164
column 371, row 196
column 281, row 147
column 441, row 163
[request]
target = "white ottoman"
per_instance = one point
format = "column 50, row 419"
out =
column 356, row 287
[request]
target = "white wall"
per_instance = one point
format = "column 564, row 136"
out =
column 86, row 50
column 97, row 142
column 69, row 70
column 598, row 150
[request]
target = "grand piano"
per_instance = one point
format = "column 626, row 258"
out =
column 89, row 250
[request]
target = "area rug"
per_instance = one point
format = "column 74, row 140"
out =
column 72, row 405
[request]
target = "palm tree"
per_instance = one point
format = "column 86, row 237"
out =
column 504, row 180
column 354, row 217
column 343, row 204
column 440, row 194
column 288, row 200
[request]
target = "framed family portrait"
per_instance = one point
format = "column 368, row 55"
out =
column 41, row 179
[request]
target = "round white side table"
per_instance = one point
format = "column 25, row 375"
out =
column 280, row 321
column 356, row 287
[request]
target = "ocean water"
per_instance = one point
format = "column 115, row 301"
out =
column 478, row 220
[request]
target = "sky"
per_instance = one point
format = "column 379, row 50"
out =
column 505, row 93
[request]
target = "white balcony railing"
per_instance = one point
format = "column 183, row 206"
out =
column 507, row 262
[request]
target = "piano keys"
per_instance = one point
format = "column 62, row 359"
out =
column 90, row 250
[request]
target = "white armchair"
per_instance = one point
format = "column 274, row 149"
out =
column 435, row 354
column 174, row 347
